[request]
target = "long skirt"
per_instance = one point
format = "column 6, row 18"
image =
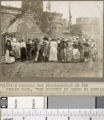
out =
column 63, row 55
column 9, row 59
column 76, row 55
column 69, row 55
column 86, row 54
column 81, row 55
column 32, row 53
column 41, row 56
column 93, row 54
column 53, row 54
column 17, row 53
column 23, row 53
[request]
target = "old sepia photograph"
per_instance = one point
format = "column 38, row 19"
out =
column 51, row 39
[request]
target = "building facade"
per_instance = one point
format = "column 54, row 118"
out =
column 66, row 28
column 56, row 26
column 90, row 27
column 15, row 22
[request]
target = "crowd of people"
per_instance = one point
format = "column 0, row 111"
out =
column 73, row 49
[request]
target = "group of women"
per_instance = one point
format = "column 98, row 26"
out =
column 55, row 50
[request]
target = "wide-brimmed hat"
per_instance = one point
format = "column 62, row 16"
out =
column 58, row 38
column 77, row 37
column 53, row 39
column 7, row 40
column 75, row 41
column 45, row 38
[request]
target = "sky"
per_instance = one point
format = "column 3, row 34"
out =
column 78, row 8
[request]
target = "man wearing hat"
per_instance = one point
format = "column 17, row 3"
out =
column 46, row 49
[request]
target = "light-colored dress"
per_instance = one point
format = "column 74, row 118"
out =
column 18, row 50
column 23, row 44
column 53, row 51
column 9, row 59
column 93, row 51
column 76, row 54
column 13, row 44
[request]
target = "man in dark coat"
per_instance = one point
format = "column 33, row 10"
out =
column 46, row 49
column 32, row 50
column 28, row 47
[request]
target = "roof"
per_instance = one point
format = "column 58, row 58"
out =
column 9, row 7
column 16, row 25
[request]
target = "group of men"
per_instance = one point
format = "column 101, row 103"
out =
column 73, row 49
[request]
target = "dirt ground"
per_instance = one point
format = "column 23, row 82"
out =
column 51, row 69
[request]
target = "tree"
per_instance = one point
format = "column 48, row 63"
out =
column 76, row 30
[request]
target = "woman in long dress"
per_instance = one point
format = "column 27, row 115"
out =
column 63, row 50
column 23, row 51
column 76, row 53
column 53, row 51
column 93, row 50
column 46, row 49
column 9, row 57
column 40, row 49
column 17, row 51
column 86, row 51
column 69, row 52
column 13, row 44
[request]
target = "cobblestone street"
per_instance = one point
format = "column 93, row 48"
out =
column 30, row 69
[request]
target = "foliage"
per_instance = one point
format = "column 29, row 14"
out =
column 76, row 30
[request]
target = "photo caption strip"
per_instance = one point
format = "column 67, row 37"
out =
column 52, row 88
